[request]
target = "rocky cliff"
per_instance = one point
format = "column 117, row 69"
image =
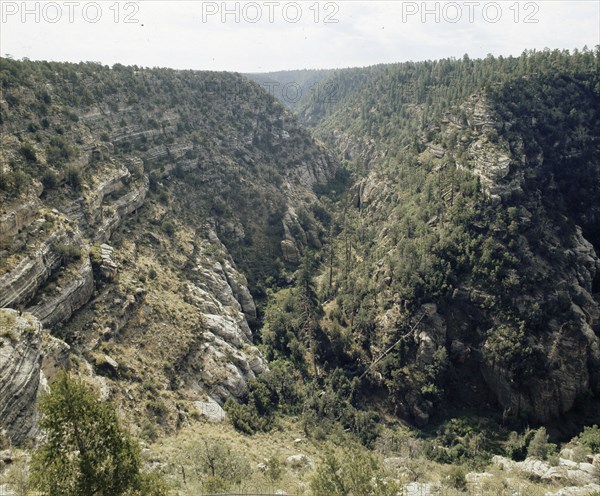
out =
column 129, row 198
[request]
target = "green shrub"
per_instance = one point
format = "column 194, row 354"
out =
column 277, row 389
column 158, row 408
column 275, row 469
column 516, row 445
column 456, row 477
column 59, row 150
column 354, row 472
column 539, row 447
column 14, row 182
column 68, row 252
column 220, row 464
column 73, row 177
column 246, row 418
column 86, row 451
column 149, row 432
column 28, row 152
column 168, row 228
column 49, row 180
column 151, row 484
column 4, row 181
column 590, row 437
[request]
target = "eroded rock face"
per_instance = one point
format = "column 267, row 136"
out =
column 18, row 217
column 77, row 291
column 21, row 282
column 226, row 356
column 549, row 396
column 120, row 209
column 20, row 367
column 554, row 265
column 500, row 173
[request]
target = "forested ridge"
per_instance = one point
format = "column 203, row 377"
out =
column 472, row 189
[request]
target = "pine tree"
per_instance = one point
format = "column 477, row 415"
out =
column 87, row 453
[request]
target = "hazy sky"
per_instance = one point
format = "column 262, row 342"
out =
column 257, row 36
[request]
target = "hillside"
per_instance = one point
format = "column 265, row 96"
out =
column 135, row 205
column 391, row 286
column 469, row 237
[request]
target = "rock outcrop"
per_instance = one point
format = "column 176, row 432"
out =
column 20, row 368
column 566, row 470
column 218, row 291
column 17, row 218
column 20, row 283
column 75, row 292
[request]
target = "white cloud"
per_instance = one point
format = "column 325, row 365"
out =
column 174, row 34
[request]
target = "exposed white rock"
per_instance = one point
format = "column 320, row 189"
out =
column 227, row 358
column 567, row 470
column 576, row 490
column 534, row 467
column 108, row 266
column 418, row 489
column 211, row 410
column 290, row 251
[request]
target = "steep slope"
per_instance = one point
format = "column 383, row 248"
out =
column 134, row 205
column 465, row 269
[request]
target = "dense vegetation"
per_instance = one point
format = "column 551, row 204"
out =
column 425, row 239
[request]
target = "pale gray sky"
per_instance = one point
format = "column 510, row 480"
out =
column 257, row 36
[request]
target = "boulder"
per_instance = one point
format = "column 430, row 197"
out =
column 419, row 489
column 566, row 470
column 533, row 467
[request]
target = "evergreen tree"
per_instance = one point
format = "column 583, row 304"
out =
column 87, row 452
column 539, row 447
